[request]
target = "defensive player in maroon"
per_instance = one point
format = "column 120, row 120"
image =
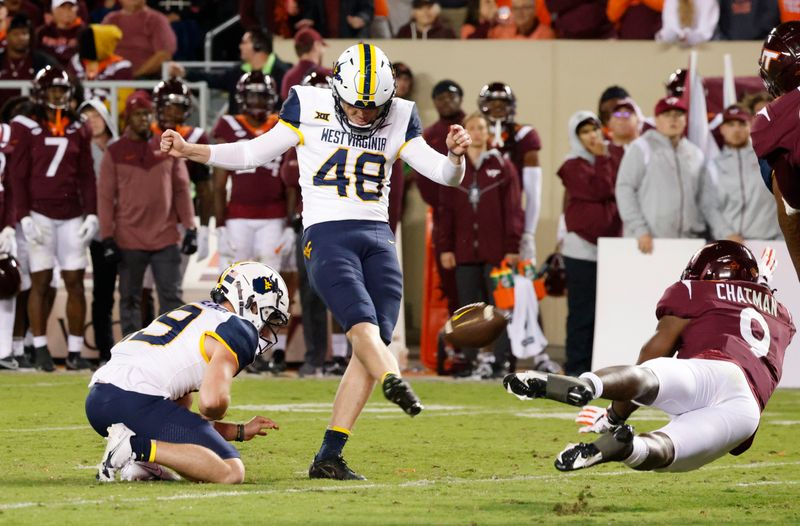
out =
column 520, row 144
column 55, row 196
column 774, row 133
column 728, row 335
column 173, row 101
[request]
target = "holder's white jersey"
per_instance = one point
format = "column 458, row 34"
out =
column 333, row 161
column 167, row 358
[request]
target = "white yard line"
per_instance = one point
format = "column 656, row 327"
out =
column 350, row 487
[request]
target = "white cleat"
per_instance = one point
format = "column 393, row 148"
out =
column 118, row 452
column 142, row 471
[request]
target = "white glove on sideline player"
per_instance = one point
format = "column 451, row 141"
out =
column 88, row 228
column 595, row 420
column 31, row 230
column 527, row 247
column 8, row 241
column 224, row 244
column 767, row 265
column 202, row 243
column 286, row 244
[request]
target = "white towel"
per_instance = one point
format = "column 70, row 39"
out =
column 524, row 332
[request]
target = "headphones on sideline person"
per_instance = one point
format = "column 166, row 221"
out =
column 261, row 39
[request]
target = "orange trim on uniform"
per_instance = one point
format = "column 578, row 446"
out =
column 271, row 121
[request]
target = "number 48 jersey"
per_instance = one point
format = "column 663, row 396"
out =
column 735, row 321
column 168, row 358
column 345, row 175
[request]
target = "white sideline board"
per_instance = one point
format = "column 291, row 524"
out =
column 629, row 285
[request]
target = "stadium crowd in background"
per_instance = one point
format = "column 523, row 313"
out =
column 621, row 169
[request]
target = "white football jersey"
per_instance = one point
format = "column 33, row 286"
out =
column 336, row 163
column 167, row 358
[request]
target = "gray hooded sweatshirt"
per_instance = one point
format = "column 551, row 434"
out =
column 738, row 202
column 659, row 188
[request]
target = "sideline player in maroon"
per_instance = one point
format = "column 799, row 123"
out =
column 254, row 223
column 730, row 335
column 55, row 196
column 775, row 132
column 173, row 101
column 520, row 144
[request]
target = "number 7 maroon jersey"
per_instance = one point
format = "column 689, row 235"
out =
column 734, row 321
column 53, row 172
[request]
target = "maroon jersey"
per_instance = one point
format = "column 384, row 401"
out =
column 61, row 44
column 776, row 138
column 735, row 321
column 518, row 140
column 435, row 136
column 52, row 169
column 7, row 214
column 481, row 219
column 198, row 172
column 256, row 193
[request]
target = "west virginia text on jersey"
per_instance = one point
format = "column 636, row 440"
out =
column 334, row 161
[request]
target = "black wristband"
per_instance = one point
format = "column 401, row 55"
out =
column 239, row 432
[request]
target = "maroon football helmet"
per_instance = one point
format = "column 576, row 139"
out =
column 256, row 95
column 676, row 83
column 10, row 278
column 555, row 275
column 722, row 260
column 53, row 88
column 318, row 79
column 172, row 92
column 779, row 65
column 497, row 91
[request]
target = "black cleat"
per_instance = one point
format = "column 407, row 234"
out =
column 43, row 360
column 75, row 362
column 9, row 363
column 333, row 468
column 278, row 363
column 23, row 362
column 397, row 390
column 614, row 446
column 259, row 365
column 537, row 384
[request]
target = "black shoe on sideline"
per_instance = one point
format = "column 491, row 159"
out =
column 43, row 360
column 76, row 362
column 333, row 468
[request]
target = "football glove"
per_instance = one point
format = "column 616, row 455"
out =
column 88, row 228
column 8, row 241
column 287, row 241
column 527, row 247
column 111, row 252
column 189, row 245
column 596, row 420
column 767, row 264
column 202, row 243
column 31, row 230
column 224, row 244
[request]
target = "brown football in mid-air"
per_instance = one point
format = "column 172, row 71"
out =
column 475, row 325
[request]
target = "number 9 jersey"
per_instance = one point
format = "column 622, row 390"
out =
column 344, row 175
column 167, row 358
column 735, row 321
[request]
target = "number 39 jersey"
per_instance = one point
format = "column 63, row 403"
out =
column 167, row 358
column 735, row 321
column 345, row 175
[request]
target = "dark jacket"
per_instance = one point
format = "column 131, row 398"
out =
column 747, row 20
column 486, row 227
column 580, row 19
column 437, row 30
column 331, row 22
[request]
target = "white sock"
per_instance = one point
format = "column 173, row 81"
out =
column 40, row 341
column 281, row 343
column 639, row 453
column 28, row 341
column 339, row 345
column 597, row 383
column 17, row 347
column 74, row 343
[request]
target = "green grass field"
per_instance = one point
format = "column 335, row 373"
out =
column 475, row 456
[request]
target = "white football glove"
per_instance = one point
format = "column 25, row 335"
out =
column 767, row 264
column 287, row 241
column 8, row 241
column 202, row 243
column 88, row 228
column 527, row 247
column 31, row 231
column 224, row 244
column 594, row 420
